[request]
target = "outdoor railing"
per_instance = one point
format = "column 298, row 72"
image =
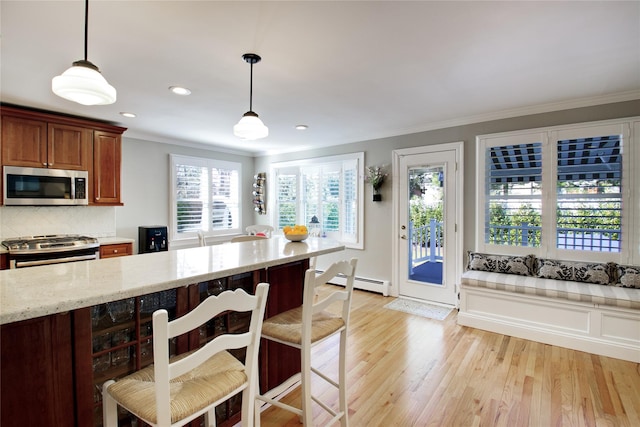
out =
column 425, row 243
column 586, row 239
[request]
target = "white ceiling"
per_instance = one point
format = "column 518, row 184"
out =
column 350, row 70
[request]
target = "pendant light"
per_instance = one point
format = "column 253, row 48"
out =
column 250, row 126
column 83, row 83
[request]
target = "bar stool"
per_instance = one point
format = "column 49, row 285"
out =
column 303, row 328
column 176, row 390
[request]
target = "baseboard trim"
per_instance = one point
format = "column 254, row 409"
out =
column 364, row 283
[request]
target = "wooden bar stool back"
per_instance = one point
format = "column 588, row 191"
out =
column 176, row 390
column 303, row 328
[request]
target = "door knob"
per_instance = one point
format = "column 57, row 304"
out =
column 404, row 236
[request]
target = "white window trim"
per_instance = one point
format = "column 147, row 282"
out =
column 204, row 162
column 358, row 157
column 629, row 128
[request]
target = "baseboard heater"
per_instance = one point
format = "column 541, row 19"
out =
column 364, row 283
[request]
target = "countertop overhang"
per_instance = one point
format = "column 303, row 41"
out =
column 32, row 292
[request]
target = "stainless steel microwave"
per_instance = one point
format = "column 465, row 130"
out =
column 44, row 187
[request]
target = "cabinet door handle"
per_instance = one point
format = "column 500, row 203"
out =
column 115, row 251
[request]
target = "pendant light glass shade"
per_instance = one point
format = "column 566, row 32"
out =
column 83, row 83
column 250, row 126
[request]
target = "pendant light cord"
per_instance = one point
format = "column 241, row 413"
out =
column 250, row 88
column 86, row 27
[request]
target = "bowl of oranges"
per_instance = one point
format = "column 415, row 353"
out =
column 296, row 233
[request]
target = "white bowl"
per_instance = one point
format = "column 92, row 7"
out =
column 296, row 237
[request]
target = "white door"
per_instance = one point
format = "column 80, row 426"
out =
column 428, row 217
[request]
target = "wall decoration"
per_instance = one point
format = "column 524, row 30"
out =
column 259, row 189
column 376, row 176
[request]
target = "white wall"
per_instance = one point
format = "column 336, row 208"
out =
column 375, row 260
column 145, row 184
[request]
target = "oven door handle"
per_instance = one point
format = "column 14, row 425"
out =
column 19, row 264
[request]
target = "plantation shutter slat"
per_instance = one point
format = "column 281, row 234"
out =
column 590, row 158
column 516, row 163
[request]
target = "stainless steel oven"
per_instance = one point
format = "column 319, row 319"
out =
column 30, row 251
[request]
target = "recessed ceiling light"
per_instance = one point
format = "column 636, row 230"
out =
column 178, row 90
column 125, row 114
column 302, row 127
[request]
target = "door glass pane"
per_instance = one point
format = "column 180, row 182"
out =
column 426, row 236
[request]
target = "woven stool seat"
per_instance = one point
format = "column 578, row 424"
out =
column 287, row 326
column 190, row 392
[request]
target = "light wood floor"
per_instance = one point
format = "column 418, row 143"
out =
column 405, row 370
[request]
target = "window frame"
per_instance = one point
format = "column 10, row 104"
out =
column 296, row 167
column 549, row 136
column 209, row 163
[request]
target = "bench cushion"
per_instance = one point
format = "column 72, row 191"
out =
column 574, row 291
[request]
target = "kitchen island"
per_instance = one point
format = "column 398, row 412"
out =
column 51, row 317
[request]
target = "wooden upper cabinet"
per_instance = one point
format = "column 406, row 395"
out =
column 24, row 142
column 69, row 147
column 107, row 152
column 38, row 144
column 40, row 139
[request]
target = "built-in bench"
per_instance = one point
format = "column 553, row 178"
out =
column 598, row 311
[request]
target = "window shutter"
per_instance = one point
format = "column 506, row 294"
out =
column 287, row 189
column 190, row 197
column 589, row 194
column 311, row 193
column 514, row 203
column 206, row 196
column 328, row 188
column 350, row 200
column 224, row 198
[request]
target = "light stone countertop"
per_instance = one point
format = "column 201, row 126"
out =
column 28, row 293
column 114, row 240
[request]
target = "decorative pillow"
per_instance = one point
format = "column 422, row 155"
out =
column 500, row 263
column 628, row 276
column 574, row 271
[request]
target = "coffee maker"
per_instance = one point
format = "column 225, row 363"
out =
column 152, row 238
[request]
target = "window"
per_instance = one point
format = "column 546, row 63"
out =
column 562, row 192
column 205, row 196
column 327, row 188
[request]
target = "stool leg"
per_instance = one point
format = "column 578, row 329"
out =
column 342, row 379
column 109, row 407
column 210, row 418
column 305, row 388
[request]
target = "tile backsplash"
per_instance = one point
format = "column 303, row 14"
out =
column 94, row 221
